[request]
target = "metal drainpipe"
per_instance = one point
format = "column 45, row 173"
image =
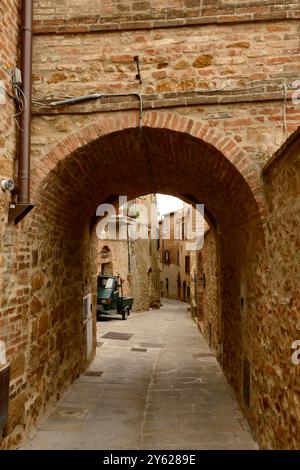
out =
column 23, row 206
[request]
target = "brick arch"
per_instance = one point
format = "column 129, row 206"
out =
column 195, row 128
column 187, row 159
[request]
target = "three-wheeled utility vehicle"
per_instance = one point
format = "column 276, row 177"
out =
column 110, row 299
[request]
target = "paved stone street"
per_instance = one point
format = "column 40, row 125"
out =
column 158, row 387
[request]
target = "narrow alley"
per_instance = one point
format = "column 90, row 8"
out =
column 154, row 384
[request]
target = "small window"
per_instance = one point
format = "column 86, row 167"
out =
column 178, row 258
column 187, row 265
column 166, row 257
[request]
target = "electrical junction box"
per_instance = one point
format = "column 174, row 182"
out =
column 16, row 76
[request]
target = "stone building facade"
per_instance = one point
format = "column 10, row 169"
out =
column 169, row 252
column 192, row 276
column 178, row 264
column 217, row 124
column 135, row 261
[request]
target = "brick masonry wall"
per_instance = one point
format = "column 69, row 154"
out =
column 194, row 70
column 72, row 16
column 55, row 233
column 12, row 309
column 48, row 256
column 8, row 58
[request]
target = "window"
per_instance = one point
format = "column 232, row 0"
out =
column 166, row 257
column 105, row 253
column 182, row 230
column 187, row 265
column 177, row 259
column 167, row 284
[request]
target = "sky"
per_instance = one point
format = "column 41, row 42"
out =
column 166, row 204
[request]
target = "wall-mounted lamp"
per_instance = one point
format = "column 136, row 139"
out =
column 7, row 185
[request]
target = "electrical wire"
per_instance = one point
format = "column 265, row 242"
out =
column 285, row 88
column 23, row 100
column 55, row 102
column 46, row 102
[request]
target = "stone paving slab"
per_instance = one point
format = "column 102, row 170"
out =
column 172, row 396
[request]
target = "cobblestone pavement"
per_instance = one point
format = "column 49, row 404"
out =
column 156, row 387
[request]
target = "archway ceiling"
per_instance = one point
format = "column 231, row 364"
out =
column 133, row 163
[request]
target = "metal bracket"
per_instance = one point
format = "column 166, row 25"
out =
column 17, row 212
column 138, row 75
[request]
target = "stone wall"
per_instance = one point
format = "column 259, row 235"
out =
column 177, row 246
column 210, row 288
column 154, row 274
column 136, row 261
column 264, row 277
column 12, row 308
column 48, row 321
column 9, row 52
column 170, row 262
column 138, row 281
column 143, row 275
column 119, row 259
column 259, row 311
column 229, row 75
column 72, row 16
column 209, row 146
column 272, row 311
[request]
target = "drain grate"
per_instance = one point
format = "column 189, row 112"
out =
column 116, row 335
column 99, row 344
column 72, row 413
column 152, row 345
column 139, row 349
column 94, row 373
column 196, row 356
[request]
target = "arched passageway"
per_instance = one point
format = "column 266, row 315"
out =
column 172, row 156
column 134, row 162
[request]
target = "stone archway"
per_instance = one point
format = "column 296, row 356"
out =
column 164, row 121
column 114, row 157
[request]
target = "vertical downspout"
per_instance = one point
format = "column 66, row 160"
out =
column 23, row 206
